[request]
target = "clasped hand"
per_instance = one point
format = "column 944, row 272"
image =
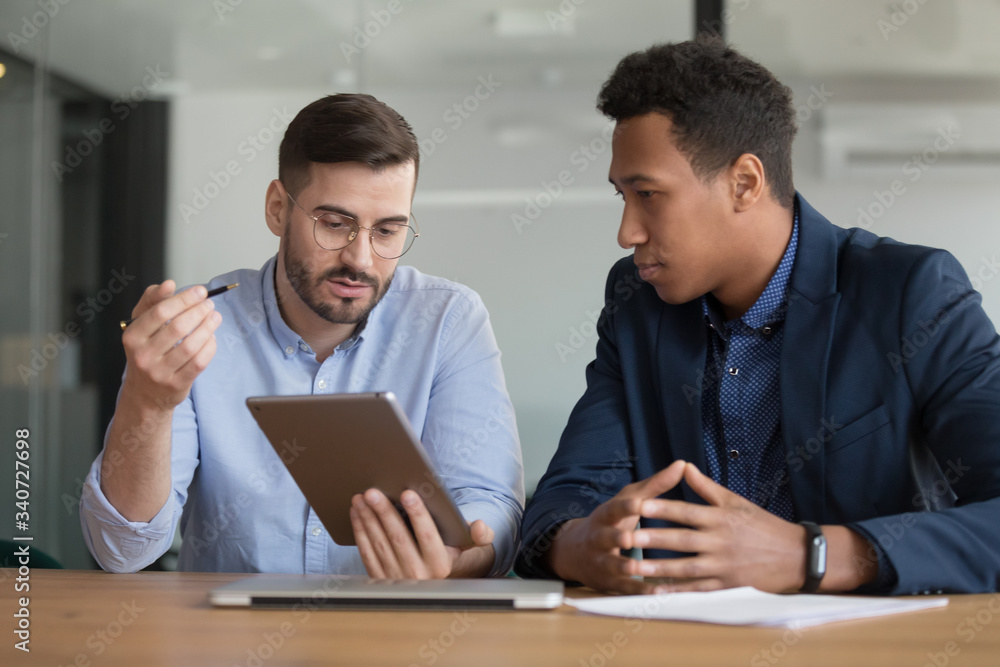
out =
column 733, row 541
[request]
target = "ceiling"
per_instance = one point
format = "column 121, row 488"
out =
column 545, row 44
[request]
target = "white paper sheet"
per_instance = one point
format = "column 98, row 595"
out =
column 748, row 606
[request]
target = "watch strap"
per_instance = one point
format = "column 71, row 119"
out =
column 815, row 556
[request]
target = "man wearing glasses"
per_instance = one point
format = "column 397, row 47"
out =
column 330, row 313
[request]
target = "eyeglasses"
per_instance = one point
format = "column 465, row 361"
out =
column 333, row 231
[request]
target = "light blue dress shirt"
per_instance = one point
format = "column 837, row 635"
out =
column 429, row 341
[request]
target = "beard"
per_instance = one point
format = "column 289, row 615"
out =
column 310, row 288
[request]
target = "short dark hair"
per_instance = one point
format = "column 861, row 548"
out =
column 348, row 127
column 721, row 105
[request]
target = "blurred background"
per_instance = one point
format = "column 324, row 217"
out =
column 138, row 139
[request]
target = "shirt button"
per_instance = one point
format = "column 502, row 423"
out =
column 289, row 350
column 303, row 347
column 766, row 331
column 321, row 384
column 733, row 370
column 316, row 532
column 734, row 454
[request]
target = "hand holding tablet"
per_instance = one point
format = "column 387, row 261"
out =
column 350, row 443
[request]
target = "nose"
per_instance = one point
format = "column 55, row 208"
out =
column 630, row 233
column 358, row 256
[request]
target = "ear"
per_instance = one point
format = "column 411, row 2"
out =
column 274, row 207
column 748, row 182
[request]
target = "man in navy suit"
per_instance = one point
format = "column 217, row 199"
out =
column 769, row 389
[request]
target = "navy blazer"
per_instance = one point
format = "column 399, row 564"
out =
column 884, row 342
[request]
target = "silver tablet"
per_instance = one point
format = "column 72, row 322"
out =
column 349, row 443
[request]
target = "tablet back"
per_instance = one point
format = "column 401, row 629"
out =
column 338, row 445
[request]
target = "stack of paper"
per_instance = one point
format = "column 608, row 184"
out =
column 748, row 606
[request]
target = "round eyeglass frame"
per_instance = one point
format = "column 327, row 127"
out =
column 354, row 235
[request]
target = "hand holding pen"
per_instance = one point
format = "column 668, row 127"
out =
column 168, row 342
column 214, row 292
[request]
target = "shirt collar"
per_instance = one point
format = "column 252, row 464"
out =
column 283, row 334
column 771, row 306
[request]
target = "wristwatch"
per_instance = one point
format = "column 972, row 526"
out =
column 815, row 556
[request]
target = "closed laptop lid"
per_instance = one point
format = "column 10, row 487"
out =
column 344, row 592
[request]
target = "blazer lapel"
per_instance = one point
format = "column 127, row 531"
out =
column 805, row 354
column 681, row 361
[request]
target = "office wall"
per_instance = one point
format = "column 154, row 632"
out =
column 543, row 281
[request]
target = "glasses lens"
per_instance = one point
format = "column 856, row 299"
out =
column 391, row 239
column 333, row 232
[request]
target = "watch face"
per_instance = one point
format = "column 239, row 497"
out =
column 817, row 564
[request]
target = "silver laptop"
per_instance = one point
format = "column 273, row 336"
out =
column 317, row 591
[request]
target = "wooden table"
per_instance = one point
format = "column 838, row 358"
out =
column 93, row 618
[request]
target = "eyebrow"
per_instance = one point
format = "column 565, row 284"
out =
column 633, row 179
column 339, row 210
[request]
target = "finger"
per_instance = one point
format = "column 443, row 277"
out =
column 180, row 326
column 482, row 534
column 152, row 295
column 149, row 322
column 628, row 586
column 674, row 539
column 365, row 548
column 661, row 482
column 380, row 544
column 694, row 586
column 191, row 355
column 398, row 535
column 187, row 373
column 432, row 550
column 620, row 511
column 680, row 512
column 705, row 487
column 694, row 567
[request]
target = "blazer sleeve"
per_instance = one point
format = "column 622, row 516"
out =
column 593, row 460
column 950, row 354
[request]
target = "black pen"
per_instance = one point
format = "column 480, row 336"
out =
column 214, row 292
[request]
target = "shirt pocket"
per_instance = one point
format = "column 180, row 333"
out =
column 861, row 427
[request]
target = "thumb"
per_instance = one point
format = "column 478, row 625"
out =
column 482, row 534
